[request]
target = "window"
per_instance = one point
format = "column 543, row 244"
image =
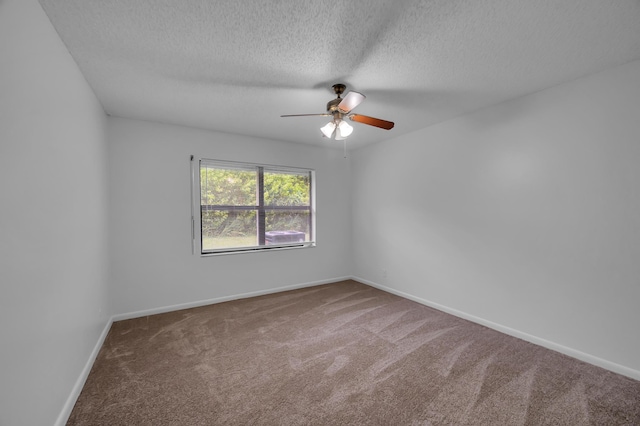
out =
column 240, row 207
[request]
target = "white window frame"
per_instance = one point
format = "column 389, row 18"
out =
column 196, row 211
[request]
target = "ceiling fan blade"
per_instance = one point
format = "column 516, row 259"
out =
column 307, row 115
column 383, row 124
column 350, row 101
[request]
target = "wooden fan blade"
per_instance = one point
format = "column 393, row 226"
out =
column 350, row 101
column 307, row 115
column 383, row 124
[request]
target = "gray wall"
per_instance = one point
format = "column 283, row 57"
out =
column 524, row 215
column 53, row 237
column 150, row 211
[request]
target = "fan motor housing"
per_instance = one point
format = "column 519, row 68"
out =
column 332, row 105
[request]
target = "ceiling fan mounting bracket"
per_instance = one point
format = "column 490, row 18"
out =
column 339, row 88
column 332, row 105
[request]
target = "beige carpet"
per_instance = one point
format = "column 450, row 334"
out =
column 339, row 354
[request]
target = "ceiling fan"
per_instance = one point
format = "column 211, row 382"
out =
column 340, row 108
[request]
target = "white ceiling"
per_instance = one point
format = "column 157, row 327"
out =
column 236, row 66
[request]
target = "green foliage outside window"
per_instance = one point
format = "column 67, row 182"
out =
column 236, row 187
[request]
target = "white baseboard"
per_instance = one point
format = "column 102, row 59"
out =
column 611, row 366
column 63, row 417
column 77, row 388
column 198, row 303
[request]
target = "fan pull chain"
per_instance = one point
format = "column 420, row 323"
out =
column 345, row 148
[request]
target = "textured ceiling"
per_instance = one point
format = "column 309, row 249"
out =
column 236, row 66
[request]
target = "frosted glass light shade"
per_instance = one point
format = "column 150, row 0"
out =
column 328, row 130
column 345, row 129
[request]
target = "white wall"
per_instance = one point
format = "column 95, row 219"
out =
column 525, row 214
column 53, row 240
column 150, row 212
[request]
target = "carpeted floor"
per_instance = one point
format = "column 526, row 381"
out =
column 339, row 354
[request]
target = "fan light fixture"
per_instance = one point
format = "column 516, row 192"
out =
column 338, row 131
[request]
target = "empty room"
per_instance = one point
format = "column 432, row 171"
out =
column 329, row 213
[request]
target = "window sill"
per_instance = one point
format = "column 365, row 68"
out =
column 259, row 249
